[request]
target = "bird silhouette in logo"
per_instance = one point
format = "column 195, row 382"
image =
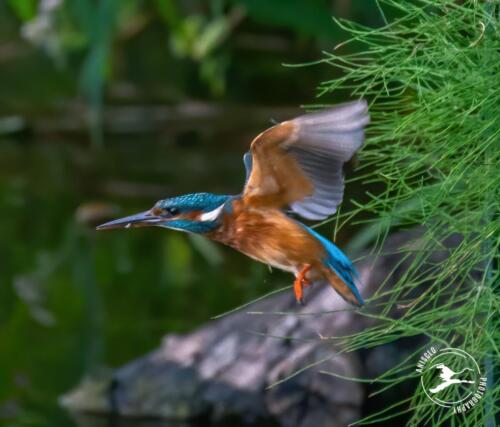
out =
column 447, row 379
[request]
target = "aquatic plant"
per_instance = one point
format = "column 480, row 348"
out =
column 432, row 76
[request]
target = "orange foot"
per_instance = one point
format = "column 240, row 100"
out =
column 300, row 282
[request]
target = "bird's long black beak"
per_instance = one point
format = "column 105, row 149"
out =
column 143, row 219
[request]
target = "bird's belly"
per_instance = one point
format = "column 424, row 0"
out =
column 268, row 254
column 274, row 239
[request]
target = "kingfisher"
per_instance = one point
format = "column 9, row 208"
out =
column 294, row 168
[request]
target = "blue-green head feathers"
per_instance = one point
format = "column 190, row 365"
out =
column 204, row 202
column 195, row 213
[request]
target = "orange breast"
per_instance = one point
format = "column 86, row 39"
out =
column 269, row 236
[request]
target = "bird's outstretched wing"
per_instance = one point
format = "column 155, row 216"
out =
column 298, row 163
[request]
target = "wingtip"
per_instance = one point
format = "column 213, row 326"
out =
column 346, row 118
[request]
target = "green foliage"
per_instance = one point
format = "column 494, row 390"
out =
column 311, row 18
column 192, row 47
column 24, row 9
column 97, row 20
column 73, row 300
column 433, row 78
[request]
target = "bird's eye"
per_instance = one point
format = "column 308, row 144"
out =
column 172, row 211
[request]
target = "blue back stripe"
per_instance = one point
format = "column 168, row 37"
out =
column 339, row 263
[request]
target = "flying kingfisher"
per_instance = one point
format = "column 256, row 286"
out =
column 292, row 168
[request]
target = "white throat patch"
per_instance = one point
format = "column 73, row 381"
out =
column 211, row 215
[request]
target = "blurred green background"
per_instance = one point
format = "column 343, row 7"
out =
column 105, row 107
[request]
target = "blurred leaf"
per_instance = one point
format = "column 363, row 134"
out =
column 24, row 9
column 32, row 293
column 178, row 258
column 207, row 248
column 184, row 37
column 198, row 39
column 131, row 18
column 83, row 12
column 312, row 18
column 98, row 20
column 12, row 124
column 211, row 36
column 213, row 71
column 169, row 12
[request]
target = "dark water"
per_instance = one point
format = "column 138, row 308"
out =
column 74, row 301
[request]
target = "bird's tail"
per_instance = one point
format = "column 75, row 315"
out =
column 340, row 271
column 346, row 290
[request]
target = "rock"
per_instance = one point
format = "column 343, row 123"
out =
column 223, row 369
column 234, row 367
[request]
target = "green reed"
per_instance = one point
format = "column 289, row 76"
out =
column 432, row 77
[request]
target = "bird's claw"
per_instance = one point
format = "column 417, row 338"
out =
column 300, row 282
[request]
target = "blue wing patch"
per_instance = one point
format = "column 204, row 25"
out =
column 247, row 160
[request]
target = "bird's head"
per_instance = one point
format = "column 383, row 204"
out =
column 195, row 213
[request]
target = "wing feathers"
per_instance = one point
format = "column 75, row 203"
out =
column 340, row 114
column 325, row 141
column 338, row 131
column 299, row 162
